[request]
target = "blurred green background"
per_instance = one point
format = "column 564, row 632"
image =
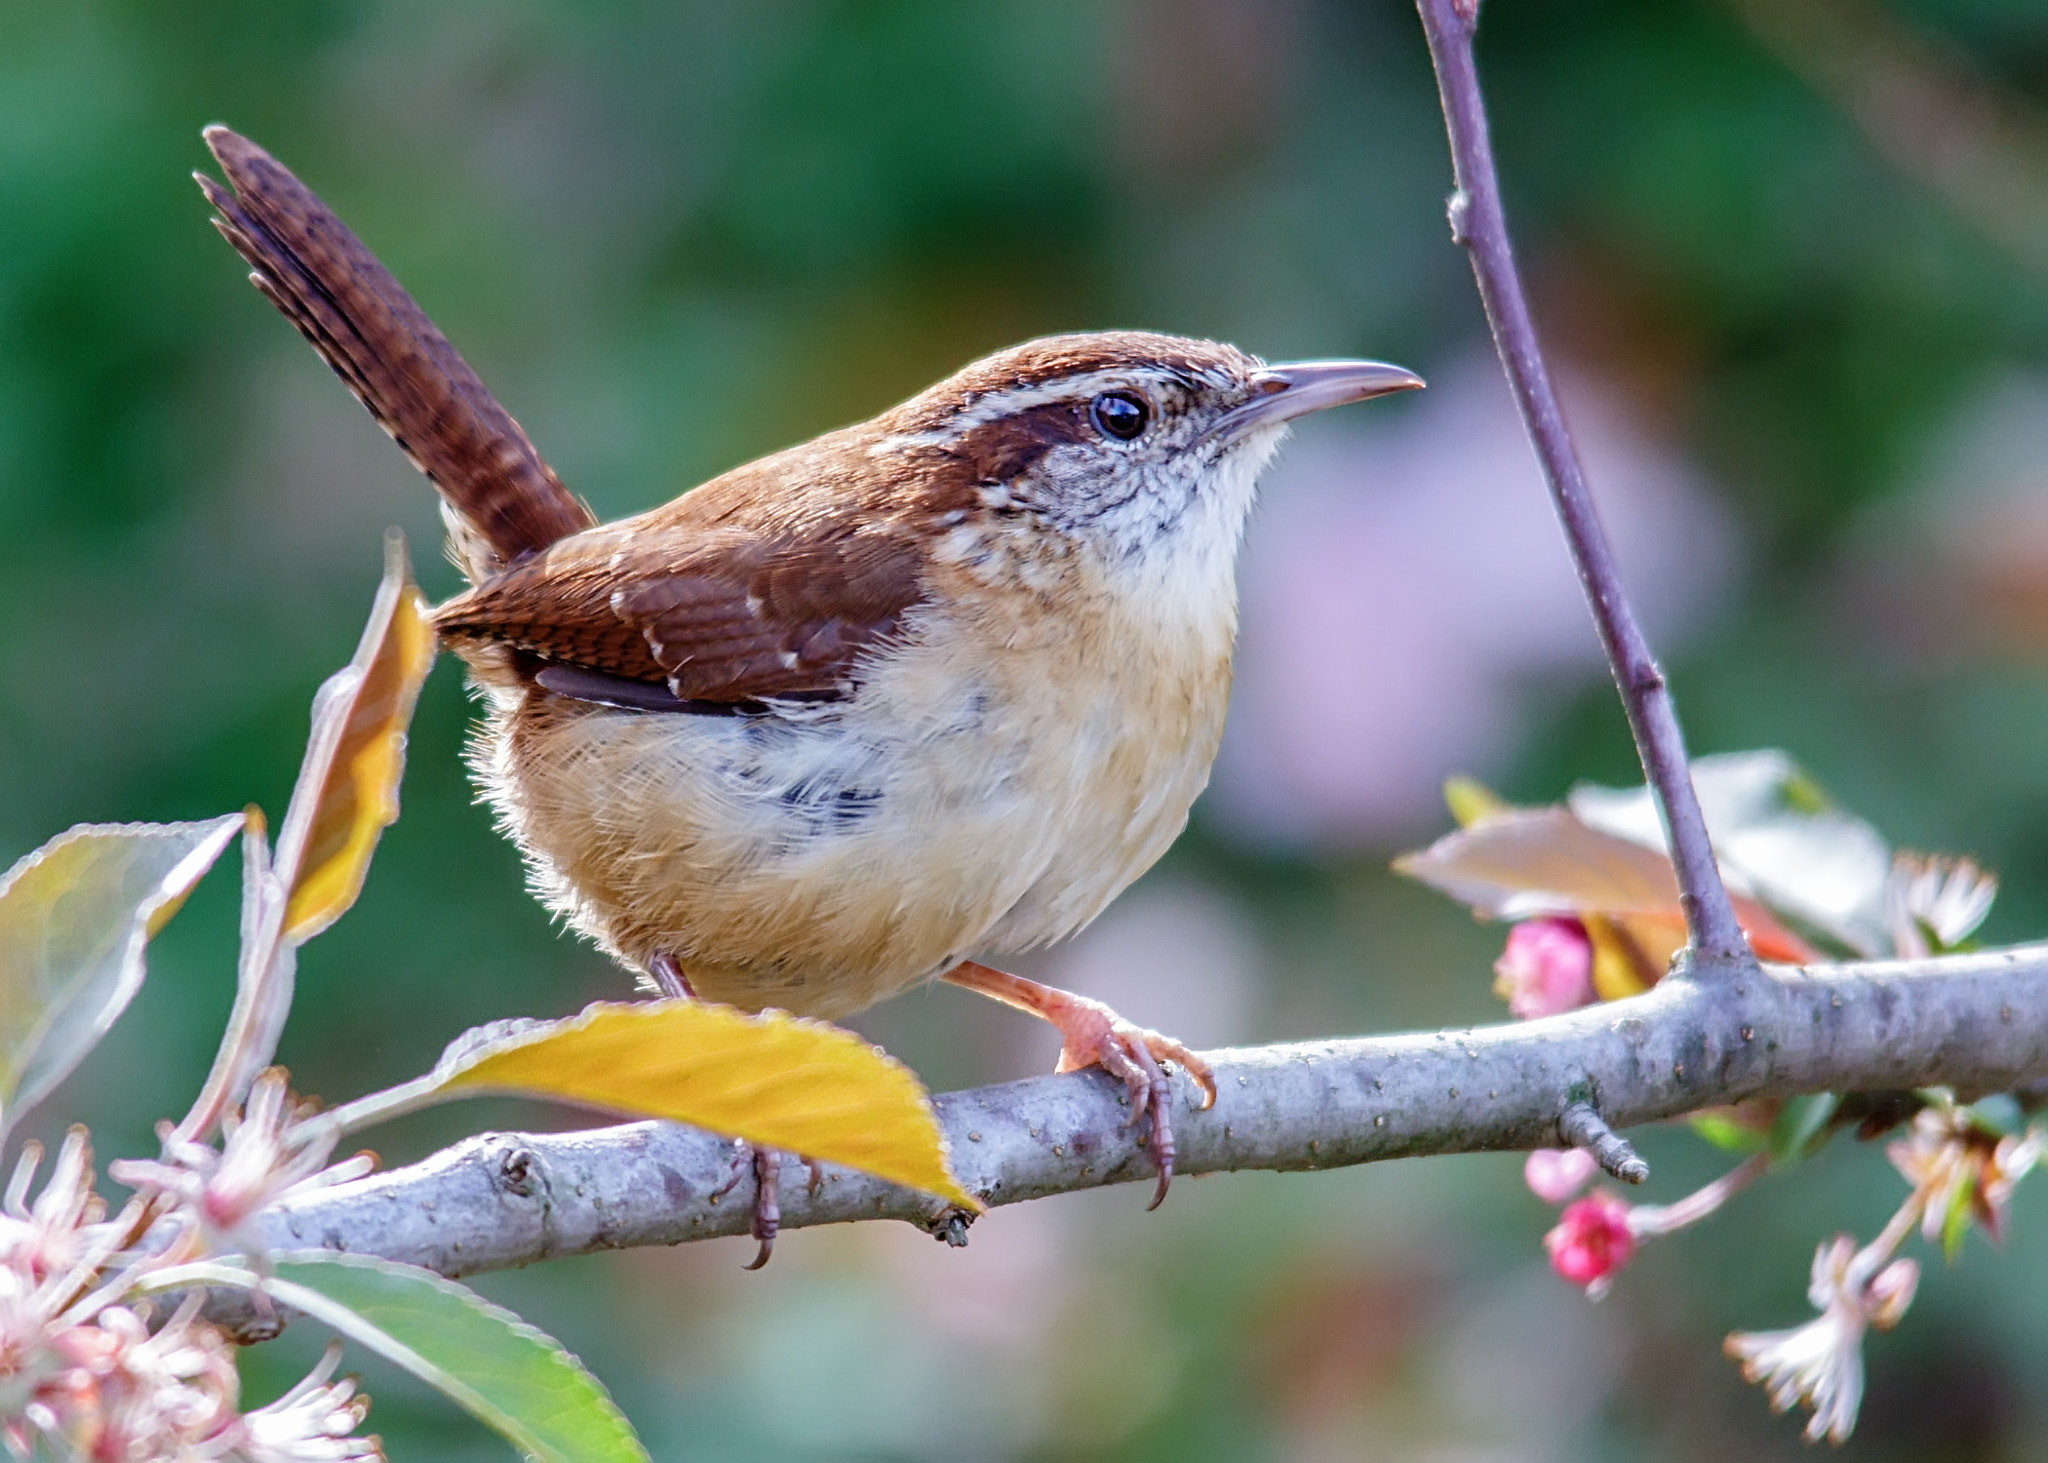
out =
column 1797, row 268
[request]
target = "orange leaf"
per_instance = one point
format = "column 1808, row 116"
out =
column 347, row 793
column 773, row 1079
column 1520, row 862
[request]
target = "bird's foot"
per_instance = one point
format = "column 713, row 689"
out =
column 765, row 1164
column 1091, row 1034
column 1094, row 1035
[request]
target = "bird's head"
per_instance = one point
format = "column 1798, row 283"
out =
column 1147, row 447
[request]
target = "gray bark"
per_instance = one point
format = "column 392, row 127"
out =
column 1978, row 1023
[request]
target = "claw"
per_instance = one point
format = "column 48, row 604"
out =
column 1133, row 1055
column 742, row 1150
column 1163, row 1152
column 1093, row 1035
column 767, row 1203
column 765, row 1164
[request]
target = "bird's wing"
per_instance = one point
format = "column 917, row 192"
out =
column 721, row 614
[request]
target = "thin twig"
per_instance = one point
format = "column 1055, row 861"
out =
column 1480, row 226
column 1977, row 1022
column 1655, row 1219
column 1582, row 1126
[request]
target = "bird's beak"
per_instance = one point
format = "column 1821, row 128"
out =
column 1282, row 393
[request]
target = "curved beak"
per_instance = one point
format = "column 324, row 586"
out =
column 1282, row 393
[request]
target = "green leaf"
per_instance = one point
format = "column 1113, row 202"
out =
column 1725, row 1133
column 510, row 1375
column 264, row 980
column 74, row 918
column 346, row 796
column 1801, row 1125
column 2000, row 1113
column 1471, row 800
column 1955, row 1224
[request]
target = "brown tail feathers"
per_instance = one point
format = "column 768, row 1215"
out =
column 501, row 500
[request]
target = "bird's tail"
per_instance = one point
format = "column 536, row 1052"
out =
column 500, row 499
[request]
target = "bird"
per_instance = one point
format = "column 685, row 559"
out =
column 924, row 691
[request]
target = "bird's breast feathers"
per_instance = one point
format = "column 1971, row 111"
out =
column 1000, row 774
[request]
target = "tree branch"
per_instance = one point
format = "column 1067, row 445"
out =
column 1975, row 1022
column 1479, row 224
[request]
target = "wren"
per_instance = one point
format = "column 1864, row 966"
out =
column 936, row 686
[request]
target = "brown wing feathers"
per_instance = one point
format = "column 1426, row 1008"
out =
column 420, row 390
column 775, row 620
column 719, row 615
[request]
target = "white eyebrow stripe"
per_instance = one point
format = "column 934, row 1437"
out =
column 994, row 405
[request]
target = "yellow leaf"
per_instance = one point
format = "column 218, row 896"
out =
column 773, row 1079
column 1619, row 961
column 347, row 793
column 1470, row 800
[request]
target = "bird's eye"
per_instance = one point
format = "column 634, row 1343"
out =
column 1119, row 414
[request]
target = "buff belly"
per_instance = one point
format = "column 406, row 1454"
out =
column 823, row 860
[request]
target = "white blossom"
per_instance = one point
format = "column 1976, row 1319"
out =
column 276, row 1149
column 86, row 1368
column 1953, row 1160
column 315, row 1422
column 114, row 1388
column 1820, row 1364
column 1945, row 899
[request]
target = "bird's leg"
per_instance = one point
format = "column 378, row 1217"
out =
column 767, row 1203
column 667, row 974
column 1093, row 1035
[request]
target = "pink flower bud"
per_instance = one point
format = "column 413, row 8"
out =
column 1555, row 1174
column 1547, row 967
column 1592, row 1240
